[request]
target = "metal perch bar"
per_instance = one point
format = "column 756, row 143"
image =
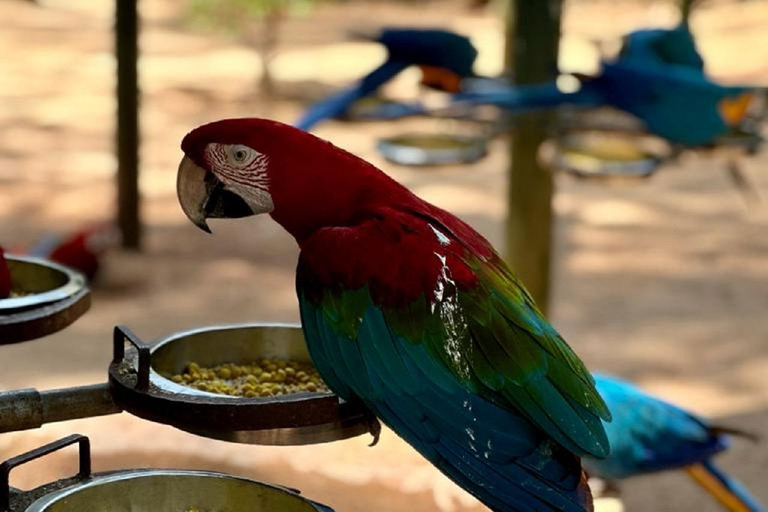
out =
column 26, row 409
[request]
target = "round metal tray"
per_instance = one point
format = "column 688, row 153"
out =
column 376, row 108
column 140, row 384
column 149, row 490
column 432, row 149
column 55, row 296
column 605, row 154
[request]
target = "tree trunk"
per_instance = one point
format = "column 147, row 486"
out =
column 533, row 35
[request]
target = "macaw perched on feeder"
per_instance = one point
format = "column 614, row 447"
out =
column 81, row 249
column 5, row 276
column 443, row 56
column 658, row 77
column 410, row 311
column 649, row 435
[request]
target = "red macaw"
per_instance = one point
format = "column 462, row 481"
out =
column 81, row 249
column 410, row 311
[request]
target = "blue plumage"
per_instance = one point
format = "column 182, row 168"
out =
column 658, row 78
column 405, row 47
column 649, row 435
column 497, row 455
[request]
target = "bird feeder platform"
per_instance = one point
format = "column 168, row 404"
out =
column 140, row 383
column 48, row 297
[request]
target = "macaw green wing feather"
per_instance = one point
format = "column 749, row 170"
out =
column 472, row 317
column 495, row 453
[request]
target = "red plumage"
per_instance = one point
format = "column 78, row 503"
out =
column 337, row 189
column 83, row 249
column 74, row 252
column 5, row 276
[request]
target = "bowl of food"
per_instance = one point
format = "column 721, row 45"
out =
column 45, row 298
column 605, row 154
column 250, row 383
column 36, row 281
column 422, row 149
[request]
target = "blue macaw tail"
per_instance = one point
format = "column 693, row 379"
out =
column 337, row 104
column 521, row 98
column 729, row 492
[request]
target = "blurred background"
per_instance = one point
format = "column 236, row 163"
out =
column 664, row 282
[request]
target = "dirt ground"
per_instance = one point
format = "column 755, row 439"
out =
column 663, row 282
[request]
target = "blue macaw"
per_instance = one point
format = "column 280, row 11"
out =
column 649, row 435
column 658, row 78
column 444, row 57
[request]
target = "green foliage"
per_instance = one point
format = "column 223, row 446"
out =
column 236, row 16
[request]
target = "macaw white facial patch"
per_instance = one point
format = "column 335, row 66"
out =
column 242, row 170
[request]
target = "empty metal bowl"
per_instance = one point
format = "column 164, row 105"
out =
column 143, row 490
column 169, row 490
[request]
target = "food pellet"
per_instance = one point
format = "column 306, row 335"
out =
column 263, row 378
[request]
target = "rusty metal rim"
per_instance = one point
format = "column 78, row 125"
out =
column 49, row 318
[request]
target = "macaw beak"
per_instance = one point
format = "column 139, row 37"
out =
column 202, row 196
column 440, row 78
column 733, row 110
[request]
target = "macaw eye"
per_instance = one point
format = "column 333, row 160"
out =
column 241, row 154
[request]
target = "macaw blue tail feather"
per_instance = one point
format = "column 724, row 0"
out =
column 729, row 492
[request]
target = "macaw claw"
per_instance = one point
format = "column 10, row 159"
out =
column 374, row 427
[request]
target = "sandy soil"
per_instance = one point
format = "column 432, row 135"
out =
column 662, row 282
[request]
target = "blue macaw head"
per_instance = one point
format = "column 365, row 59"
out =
column 443, row 56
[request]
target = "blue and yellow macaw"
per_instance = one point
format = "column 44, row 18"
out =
column 658, row 77
column 649, row 435
column 443, row 56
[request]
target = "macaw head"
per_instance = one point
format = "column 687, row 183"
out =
column 240, row 167
column 444, row 57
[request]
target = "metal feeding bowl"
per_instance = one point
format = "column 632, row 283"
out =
column 432, row 149
column 47, row 298
column 593, row 153
column 146, row 490
column 140, row 384
column 376, row 108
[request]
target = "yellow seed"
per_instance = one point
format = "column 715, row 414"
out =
column 224, row 373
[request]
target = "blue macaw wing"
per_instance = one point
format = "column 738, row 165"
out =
column 662, row 46
column 648, row 434
column 675, row 102
column 336, row 104
column 495, row 454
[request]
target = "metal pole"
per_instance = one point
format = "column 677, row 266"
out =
column 126, row 51
column 25, row 409
column 533, row 36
